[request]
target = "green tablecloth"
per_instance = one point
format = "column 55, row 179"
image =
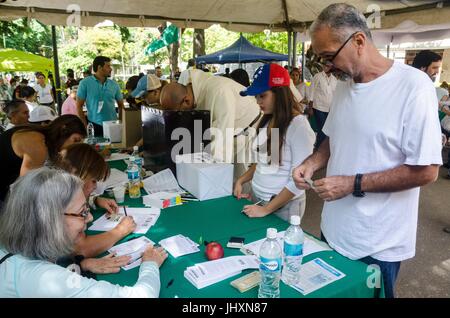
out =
column 217, row 220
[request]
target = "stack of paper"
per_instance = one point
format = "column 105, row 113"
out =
column 316, row 274
column 134, row 249
column 144, row 218
column 208, row 273
column 310, row 246
column 162, row 199
column 118, row 156
column 179, row 245
column 162, row 181
column 116, row 178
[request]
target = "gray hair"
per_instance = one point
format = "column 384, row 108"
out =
column 32, row 220
column 13, row 107
column 343, row 20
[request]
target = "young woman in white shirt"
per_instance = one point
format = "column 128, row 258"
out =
column 284, row 131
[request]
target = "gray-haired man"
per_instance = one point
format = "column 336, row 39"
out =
column 383, row 144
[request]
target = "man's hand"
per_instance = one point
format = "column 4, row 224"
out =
column 335, row 187
column 104, row 265
column 255, row 211
column 302, row 172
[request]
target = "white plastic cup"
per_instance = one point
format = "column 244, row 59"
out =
column 119, row 194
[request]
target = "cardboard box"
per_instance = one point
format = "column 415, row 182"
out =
column 203, row 176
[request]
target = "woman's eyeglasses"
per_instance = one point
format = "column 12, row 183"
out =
column 84, row 214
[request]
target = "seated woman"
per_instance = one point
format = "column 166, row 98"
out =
column 284, row 140
column 84, row 162
column 54, row 207
column 29, row 147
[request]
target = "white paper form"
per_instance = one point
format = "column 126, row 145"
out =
column 144, row 218
column 134, row 249
column 162, row 181
column 116, row 178
column 179, row 245
column 316, row 274
column 311, row 245
column 208, row 273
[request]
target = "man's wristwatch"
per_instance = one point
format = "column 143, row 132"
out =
column 357, row 187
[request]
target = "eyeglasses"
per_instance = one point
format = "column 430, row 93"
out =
column 84, row 214
column 329, row 60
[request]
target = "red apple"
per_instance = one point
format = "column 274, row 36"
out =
column 214, row 251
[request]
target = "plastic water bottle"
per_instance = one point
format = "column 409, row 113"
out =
column 90, row 134
column 270, row 267
column 134, row 180
column 138, row 159
column 293, row 252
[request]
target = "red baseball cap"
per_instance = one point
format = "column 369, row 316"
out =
column 266, row 77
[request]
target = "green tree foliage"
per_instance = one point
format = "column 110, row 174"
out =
column 79, row 53
column 29, row 36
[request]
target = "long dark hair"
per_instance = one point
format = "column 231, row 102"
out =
column 285, row 105
column 58, row 131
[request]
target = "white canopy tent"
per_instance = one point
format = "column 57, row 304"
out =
column 235, row 15
column 410, row 32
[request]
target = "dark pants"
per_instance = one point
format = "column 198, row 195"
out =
column 389, row 270
column 320, row 117
column 98, row 130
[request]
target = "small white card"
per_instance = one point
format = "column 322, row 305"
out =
column 179, row 245
column 134, row 249
column 144, row 218
column 316, row 274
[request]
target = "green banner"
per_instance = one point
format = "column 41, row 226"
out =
column 169, row 36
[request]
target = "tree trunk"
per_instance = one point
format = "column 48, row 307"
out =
column 174, row 59
column 199, row 42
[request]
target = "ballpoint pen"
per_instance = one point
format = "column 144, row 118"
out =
column 125, row 210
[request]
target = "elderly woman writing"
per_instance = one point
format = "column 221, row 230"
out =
column 54, row 207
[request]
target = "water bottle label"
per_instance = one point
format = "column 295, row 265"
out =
column 138, row 161
column 271, row 265
column 292, row 249
column 133, row 174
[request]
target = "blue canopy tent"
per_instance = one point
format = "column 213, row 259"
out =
column 241, row 51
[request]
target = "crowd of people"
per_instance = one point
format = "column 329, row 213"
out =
column 377, row 133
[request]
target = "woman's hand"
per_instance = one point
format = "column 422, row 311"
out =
column 157, row 255
column 255, row 211
column 237, row 192
column 105, row 265
column 126, row 226
column 109, row 204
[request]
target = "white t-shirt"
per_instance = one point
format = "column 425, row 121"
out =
column 44, row 93
column 31, row 105
column 323, row 87
column 269, row 180
column 376, row 126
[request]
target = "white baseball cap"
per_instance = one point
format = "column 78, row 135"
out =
column 42, row 113
column 147, row 83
